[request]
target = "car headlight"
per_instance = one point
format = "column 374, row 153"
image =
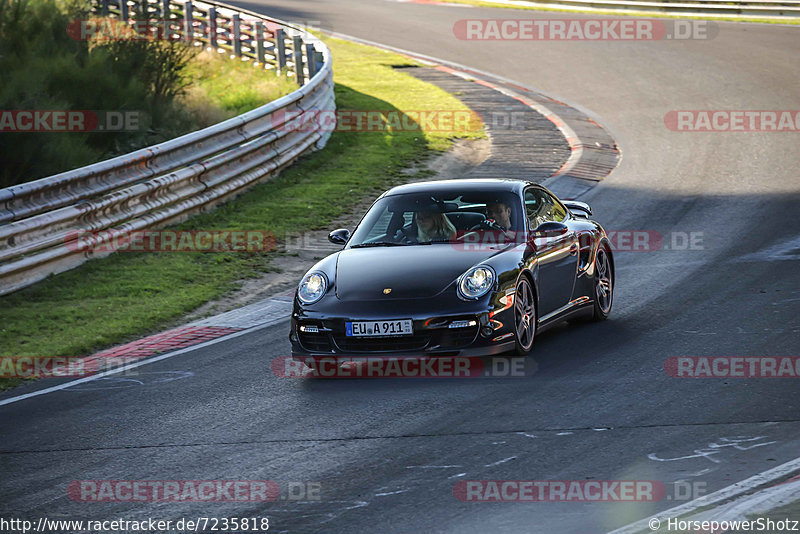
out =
column 476, row 282
column 312, row 288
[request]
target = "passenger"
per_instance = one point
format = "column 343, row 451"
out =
column 434, row 226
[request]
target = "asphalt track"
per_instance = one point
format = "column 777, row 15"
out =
column 387, row 453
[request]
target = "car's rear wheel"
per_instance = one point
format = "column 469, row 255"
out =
column 524, row 316
column 603, row 285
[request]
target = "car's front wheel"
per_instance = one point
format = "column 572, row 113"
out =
column 524, row 316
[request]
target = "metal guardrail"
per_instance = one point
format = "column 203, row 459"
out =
column 162, row 184
column 788, row 10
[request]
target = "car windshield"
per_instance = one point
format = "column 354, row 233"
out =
column 435, row 217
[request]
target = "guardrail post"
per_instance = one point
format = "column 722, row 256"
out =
column 312, row 62
column 237, row 35
column 319, row 59
column 166, row 11
column 188, row 23
column 297, row 55
column 212, row 27
column 280, row 50
column 260, row 51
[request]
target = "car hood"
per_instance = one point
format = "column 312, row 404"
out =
column 416, row 271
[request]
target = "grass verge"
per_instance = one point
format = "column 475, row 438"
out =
column 223, row 88
column 640, row 14
column 126, row 295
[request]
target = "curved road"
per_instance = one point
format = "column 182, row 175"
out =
column 387, row 453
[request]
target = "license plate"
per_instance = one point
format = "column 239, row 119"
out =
column 400, row 327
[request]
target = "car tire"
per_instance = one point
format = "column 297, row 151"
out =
column 603, row 284
column 524, row 316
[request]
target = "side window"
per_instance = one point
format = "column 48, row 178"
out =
column 535, row 206
column 541, row 207
column 557, row 210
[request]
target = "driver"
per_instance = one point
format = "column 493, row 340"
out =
column 501, row 213
column 498, row 217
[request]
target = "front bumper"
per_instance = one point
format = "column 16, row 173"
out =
column 489, row 330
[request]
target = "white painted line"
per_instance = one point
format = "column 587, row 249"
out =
column 140, row 363
column 432, row 466
column 787, row 249
column 757, row 503
column 391, row 493
column 501, row 461
column 730, row 492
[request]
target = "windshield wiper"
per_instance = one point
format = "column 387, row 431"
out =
column 379, row 244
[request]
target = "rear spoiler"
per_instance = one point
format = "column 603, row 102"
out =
column 574, row 205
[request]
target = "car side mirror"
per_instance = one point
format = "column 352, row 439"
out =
column 582, row 208
column 550, row 229
column 339, row 236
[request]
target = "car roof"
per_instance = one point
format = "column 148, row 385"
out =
column 464, row 184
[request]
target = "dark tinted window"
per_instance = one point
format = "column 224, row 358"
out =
column 542, row 207
column 395, row 217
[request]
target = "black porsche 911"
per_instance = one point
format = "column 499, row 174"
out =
column 454, row 268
